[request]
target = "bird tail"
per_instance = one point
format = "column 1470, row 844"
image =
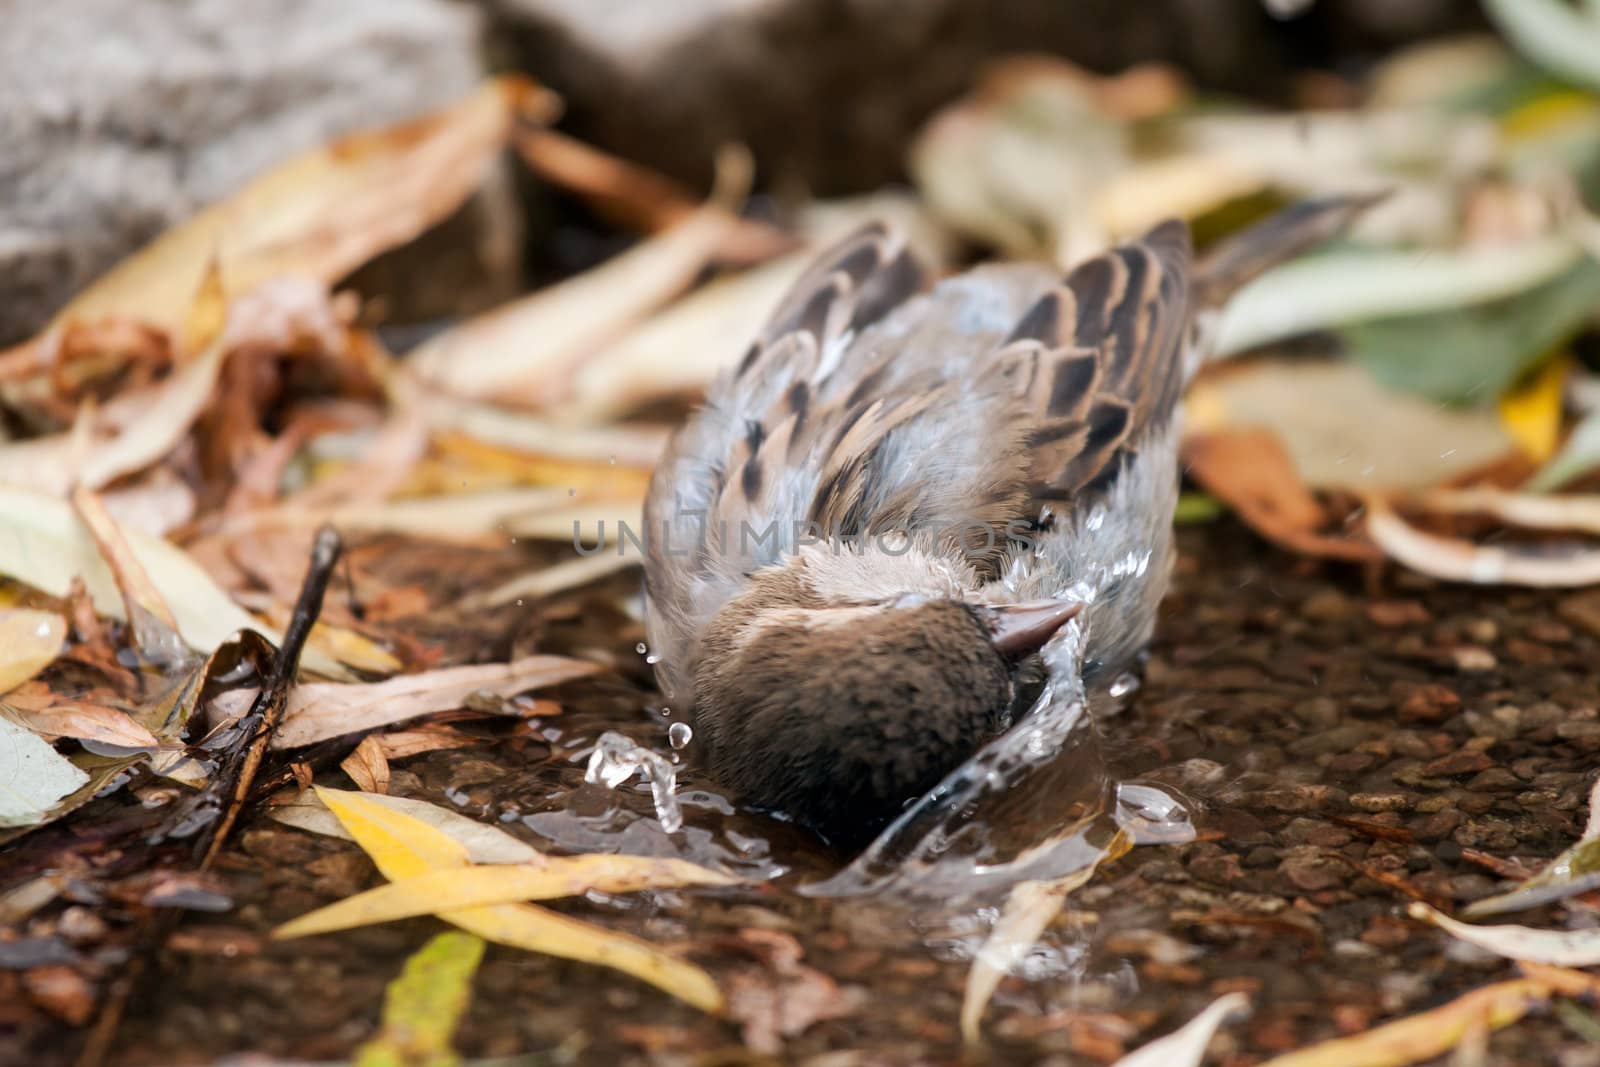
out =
column 1282, row 236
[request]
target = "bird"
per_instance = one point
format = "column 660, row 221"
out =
column 859, row 543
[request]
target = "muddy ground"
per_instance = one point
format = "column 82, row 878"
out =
column 1347, row 740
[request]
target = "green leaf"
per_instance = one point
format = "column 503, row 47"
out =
column 1472, row 355
column 423, row 1006
column 1561, row 38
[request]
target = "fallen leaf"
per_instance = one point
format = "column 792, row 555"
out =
column 1562, row 38
column 401, row 744
column 1531, row 414
column 552, row 878
column 319, row 215
column 423, row 1007
column 155, row 631
column 785, row 997
column 1186, row 1046
column 484, row 843
column 1563, row 948
column 367, row 766
column 526, row 351
column 549, row 581
column 34, row 777
column 1456, row 560
column 1577, row 870
column 1249, row 471
column 29, row 642
column 47, row 546
column 320, row 710
column 403, row 847
column 1428, row 289
column 1579, row 455
column 1031, row 907
column 1534, row 511
column 1399, row 441
column 88, row 722
column 1428, row 1034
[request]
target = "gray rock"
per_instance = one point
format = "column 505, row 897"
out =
column 119, row 119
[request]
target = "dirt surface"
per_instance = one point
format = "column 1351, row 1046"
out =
column 1347, row 741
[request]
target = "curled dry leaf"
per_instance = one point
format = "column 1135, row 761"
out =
column 368, row 766
column 29, row 642
column 1455, row 560
column 1563, row 948
column 319, row 215
column 1251, row 473
column 1426, row 1035
column 320, row 710
column 1186, row 1047
column 551, row 879
column 87, row 722
column 403, row 848
column 526, row 351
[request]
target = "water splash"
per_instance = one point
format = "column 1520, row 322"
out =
column 617, row 758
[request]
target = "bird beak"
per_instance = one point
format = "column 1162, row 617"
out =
column 1018, row 630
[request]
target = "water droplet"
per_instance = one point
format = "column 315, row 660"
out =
column 1123, row 684
column 679, row 734
column 641, row 648
column 652, row 659
column 519, row 602
column 617, row 758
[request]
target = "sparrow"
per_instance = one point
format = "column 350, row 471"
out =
column 856, row 548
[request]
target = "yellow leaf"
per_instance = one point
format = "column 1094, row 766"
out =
column 319, row 215
column 423, row 1007
column 481, row 885
column 403, row 847
column 1531, row 413
column 1426, row 1035
column 29, row 642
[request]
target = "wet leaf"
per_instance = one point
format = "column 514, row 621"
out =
column 34, row 778
column 1563, row 948
column 1423, row 1036
column 484, row 843
column 527, row 351
column 1577, row 870
column 423, row 1007
column 403, row 847
column 1031, row 907
column 319, row 215
column 1399, row 441
column 552, row 878
column 320, row 710
column 29, row 642
column 1186, row 1047
column 1473, row 354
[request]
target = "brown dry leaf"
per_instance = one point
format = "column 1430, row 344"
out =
column 320, row 710
column 1535, row 511
column 1455, row 560
column 1398, row 441
column 319, row 215
column 29, row 642
column 368, row 766
column 1428, row 1034
column 526, row 352
column 91, row 722
column 787, row 997
column 549, row 581
column 155, row 630
column 405, row 743
column 1251, row 473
